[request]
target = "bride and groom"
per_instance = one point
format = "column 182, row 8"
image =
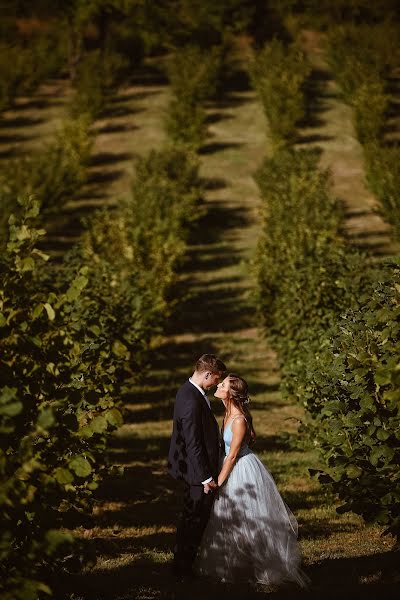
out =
column 234, row 524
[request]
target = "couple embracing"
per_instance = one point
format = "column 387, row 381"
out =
column 234, row 525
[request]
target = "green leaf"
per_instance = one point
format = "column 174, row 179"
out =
column 42, row 587
column 46, row 418
column 27, row 264
column 55, row 538
column 114, row 417
column 10, row 406
column 120, row 350
column 63, row 476
column 50, row 312
column 81, row 466
column 81, row 282
column 41, row 254
column 95, row 329
column 37, row 311
column 86, row 431
column 352, row 471
column 99, row 424
column 23, row 233
column 382, row 435
column 383, row 377
column 3, row 320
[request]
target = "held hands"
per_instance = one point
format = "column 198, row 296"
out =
column 210, row 486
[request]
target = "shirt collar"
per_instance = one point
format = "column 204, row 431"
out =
column 198, row 387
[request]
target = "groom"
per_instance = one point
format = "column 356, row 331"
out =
column 194, row 458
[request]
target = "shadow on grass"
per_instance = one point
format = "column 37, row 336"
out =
column 13, row 138
column 218, row 146
column 116, row 128
column 217, row 116
column 19, row 121
column 315, row 95
column 8, row 153
column 149, row 74
column 119, row 110
column 109, row 158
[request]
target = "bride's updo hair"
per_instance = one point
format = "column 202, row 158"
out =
column 238, row 396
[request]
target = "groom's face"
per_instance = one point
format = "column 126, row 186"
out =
column 211, row 379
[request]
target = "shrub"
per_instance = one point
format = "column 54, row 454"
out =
column 186, row 123
column 24, row 67
column 71, row 337
column 383, row 177
column 52, row 175
column 370, row 103
column 194, row 78
column 98, row 76
column 298, row 216
column 307, row 275
column 352, row 393
column 357, row 51
column 278, row 74
column 57, row 407
column 126, row 39
column 135, row 248
column 362, row 57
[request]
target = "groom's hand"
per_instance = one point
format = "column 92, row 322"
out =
column 210, row 486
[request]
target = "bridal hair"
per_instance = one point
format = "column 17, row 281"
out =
column 209, row 362
column 238, row 396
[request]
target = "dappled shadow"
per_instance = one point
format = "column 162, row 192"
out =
column 214, row 227
column 12, row 138
column 134, row 448
column 217, row 116
column 149, row 74
column 213, row 183
column 104, row 176
column 8, row 153
column 116, row 127
column 319, row 527
column 312, row 138
column 272, row 443
column 119, row 110
column 19, row 121
column 238, row 80
column 109, row 158
column 218, row 146
column 315, row 95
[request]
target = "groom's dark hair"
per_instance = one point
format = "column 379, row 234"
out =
column 209, row 362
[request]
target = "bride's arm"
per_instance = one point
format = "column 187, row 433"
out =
column 238, row 431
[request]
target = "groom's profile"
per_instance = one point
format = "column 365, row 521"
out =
column 194, row 458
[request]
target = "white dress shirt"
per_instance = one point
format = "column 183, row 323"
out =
column 209, row 406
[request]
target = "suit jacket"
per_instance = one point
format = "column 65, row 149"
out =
column 194, row 450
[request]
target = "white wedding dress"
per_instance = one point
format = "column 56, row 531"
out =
column 251, row 534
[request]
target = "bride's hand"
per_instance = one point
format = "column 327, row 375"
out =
column 209, row 487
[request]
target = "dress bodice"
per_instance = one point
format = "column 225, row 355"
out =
column 227, row 437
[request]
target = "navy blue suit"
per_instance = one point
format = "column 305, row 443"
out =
column 193, row 457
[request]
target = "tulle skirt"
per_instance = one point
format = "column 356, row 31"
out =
column 251, row 534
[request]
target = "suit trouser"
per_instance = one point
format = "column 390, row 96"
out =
column 196, row 512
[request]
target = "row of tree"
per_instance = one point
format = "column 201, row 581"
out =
column 76, row 333
column 332, row 313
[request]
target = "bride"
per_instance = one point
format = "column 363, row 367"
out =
column 251, row 534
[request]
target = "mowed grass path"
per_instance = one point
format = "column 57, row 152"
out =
column 132, row 533
column 329, row 125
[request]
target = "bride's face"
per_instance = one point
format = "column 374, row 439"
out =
column 222, row 389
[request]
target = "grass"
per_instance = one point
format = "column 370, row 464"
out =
column 133, row 527
column 329, row 125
